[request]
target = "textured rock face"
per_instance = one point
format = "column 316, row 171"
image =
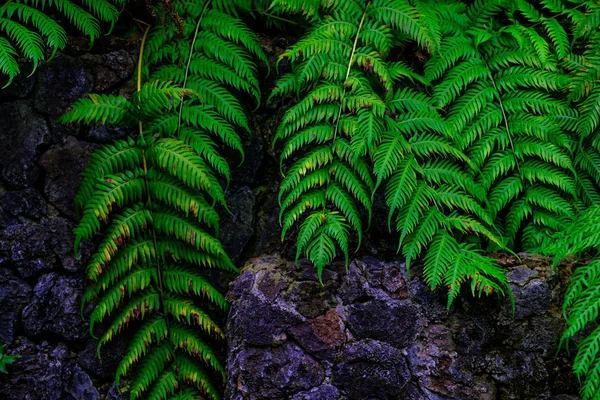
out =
column 371, row 333
column 41, row 280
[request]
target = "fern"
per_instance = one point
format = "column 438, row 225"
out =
column 152, row 200
column 27, row 28
column 136, row 192
column 339, row 67
column 582, row 299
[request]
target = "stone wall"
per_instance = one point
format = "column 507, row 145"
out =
column 368, row 334
column 371, row 333
column 41, row 280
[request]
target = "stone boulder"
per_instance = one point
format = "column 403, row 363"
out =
column 47, row 372
column 373, row 333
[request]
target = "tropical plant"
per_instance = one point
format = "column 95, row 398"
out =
column 5, row 359
column 153, row 201
column 28, row 27
column 363, row 130
column 339, row 69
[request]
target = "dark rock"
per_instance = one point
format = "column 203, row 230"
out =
column 237, row 229
column 14, row 296
column 373, row 334
column 266, row 327
column 63, row 164
column 372, row 369
column 323, row 333
column 111, row 68
column 396, row 322
column 20, row 88
column 286, row 369
column 55, row 308
column 531, row 299
column 111, row 354
column 23, row 133
column 312, row 298
column 39, row 373
column 36, row 248
column 105, row 134
column 81, row 386
column 253, row 157
column 28, row 202
column 520, row 375
column 60, row 83
column 323, row 392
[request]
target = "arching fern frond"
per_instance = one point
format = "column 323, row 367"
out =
column 148, row 199
column 27, row 28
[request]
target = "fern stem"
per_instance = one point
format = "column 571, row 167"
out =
column 141, row 130
column 505, row 118
column 362, row 21
column 189, row 62
column 139, row 75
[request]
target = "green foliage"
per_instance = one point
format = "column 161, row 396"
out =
column 152, row 201
column 340, row 70
column 5, row 359
column 492, row 147
column 358, row 130
column 582, row 299
column 478, row 121
column 28, row 27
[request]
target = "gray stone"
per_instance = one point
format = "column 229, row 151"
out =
column 38, row 374
column 23, row 133
column 284, row 370
column 323, row 392
column 60, row 83
column 396, row 322
column 63, row 164
column 37, row 248
column 14, row 296
column 372, row 369
column 81, row 386
column 28, row 202
column 374, row 334
column 55, row 308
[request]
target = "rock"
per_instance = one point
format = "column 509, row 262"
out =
column 284, row 370
column 374, row 334
column 531, row 299
column 37, row 248
column 396, row 322
column 111, row 68
column 371, row 369
column 238, row 227
column 20, row 88
column 81, row 386
column 28, row 202
column 323, row 392
column 24, row 132
column 63, row 164
column 60, row 83
column 111, row 354
column 40, row 373
column 265, row 328
column 253, row 158
column 105, row 134
column 55, row 308
column 15, row 294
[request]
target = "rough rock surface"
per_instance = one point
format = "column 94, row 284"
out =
column 41, row 280
column 371, row 333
